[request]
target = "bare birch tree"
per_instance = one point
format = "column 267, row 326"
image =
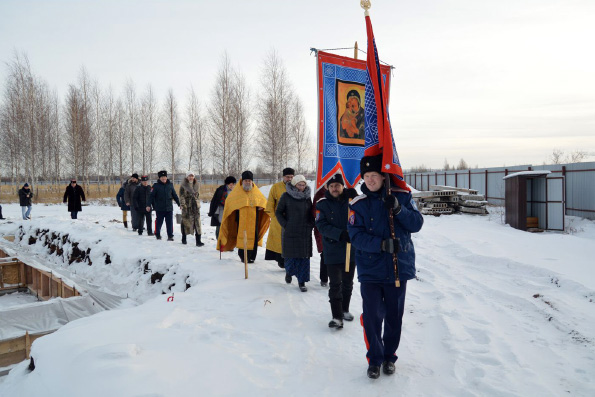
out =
column 240, row 147
column 220, row 120
column 150, row 124
column 131, row 120
column 300, row 136
column 171, row 131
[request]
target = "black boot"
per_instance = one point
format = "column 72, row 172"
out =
column 183, row 234
column 126, row 224
column 198, row 242
column 373, row 372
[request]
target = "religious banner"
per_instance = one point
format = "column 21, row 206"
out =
column 342, row 132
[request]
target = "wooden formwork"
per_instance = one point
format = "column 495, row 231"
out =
column 15, row 350
column 43, row 284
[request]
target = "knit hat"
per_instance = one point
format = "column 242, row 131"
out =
column 188, row 173
column 288, row 171
column 135, row 175
column 337, row 178
column 26, row 185
column 247, row 175
column 161, row 173
column 371, row 164
column 230, row 179
column 297, row 179
column 144, row 178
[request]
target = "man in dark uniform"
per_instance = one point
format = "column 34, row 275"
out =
column 369, row 230
column 160, row 199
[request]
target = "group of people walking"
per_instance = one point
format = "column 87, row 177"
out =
column 140, row 199
column 353, row 231
column 74, row 195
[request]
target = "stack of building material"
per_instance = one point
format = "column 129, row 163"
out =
column 448, row 199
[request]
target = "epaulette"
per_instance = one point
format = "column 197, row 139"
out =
column 320, row 199
column 358, row 198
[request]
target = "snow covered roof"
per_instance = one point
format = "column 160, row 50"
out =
column 534, row 173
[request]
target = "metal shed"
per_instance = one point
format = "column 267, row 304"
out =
column 534, row 196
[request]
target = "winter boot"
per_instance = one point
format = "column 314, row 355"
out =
column 347, row 316
column 183, row 234
column 303, row 287
column 149, row 232
column 198, row 242
column 373, row 371
column 388, row 367
column 126, row 224
column 336, row 323
column 140, row 232
column 324, row 283
column 287, row 278
column 170, row 239
column 158, row 237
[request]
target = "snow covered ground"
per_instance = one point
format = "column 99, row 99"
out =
column 494, row 312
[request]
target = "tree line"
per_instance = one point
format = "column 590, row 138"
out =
column 95, row 133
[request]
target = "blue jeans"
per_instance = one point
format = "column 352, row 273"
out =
column 26, row 210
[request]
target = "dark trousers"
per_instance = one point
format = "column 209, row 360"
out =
column 382, row 303
column 341, row 285
column 169, row 223
column 323, row 271
column 136, row 218
column 145, row 217
column 73, row 214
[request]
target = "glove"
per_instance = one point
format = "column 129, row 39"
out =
column 391, row 203
column 345, row 237
column 391, row 246
column 351, row 193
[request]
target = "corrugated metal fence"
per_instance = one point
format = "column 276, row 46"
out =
column 579, row 193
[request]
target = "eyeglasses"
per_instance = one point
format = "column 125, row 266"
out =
column 72, row 181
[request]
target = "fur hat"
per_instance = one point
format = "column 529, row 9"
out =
column 188, row 173
column 135, row 175
column 230, row 179
column 161, row 173
column 297, row 179
column 247, row 175
column 288, row 171
column 144, row 178
column 371, row 164
column 337, row 178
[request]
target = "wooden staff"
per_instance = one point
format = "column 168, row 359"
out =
column 392, row 230
column 245, row 254
column 348, row 250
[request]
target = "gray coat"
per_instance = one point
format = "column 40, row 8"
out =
column 294, row 213
column 129, row 191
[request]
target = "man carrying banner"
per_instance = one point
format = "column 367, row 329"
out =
column 381, row 221
column 244, row 211
column 370, row 233
column 274, row 251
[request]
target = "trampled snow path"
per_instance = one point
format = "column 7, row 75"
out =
column 495, row 311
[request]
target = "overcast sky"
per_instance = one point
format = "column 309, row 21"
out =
column 494, row 82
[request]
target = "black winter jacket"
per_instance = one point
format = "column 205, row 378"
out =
column 215, row 202
column 295, row 217
column 120, row 198
column 74, row 195
column 23, row 199
column 331, row 221
column 140, row 198
column 161, row 196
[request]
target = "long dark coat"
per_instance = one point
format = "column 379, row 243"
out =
column 23, row 199
column 120, row 198
column 140, row 198
column 294, row 213
column 74, row 196
column 190, row 206
column 216, row 201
